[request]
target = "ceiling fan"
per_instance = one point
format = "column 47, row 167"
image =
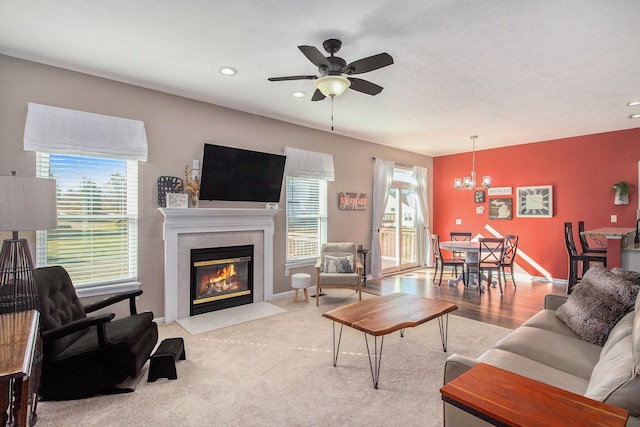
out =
column 331, row 68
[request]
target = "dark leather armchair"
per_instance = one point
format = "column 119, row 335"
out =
column 88, row 355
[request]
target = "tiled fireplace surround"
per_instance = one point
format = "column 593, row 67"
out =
column 186, row 229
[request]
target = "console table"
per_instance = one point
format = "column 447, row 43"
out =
column 18, row 333
column 503, row 398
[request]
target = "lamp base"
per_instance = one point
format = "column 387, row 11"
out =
column 18, row 290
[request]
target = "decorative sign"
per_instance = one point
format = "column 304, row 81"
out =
column 501, row 208
column 479, row 210
column 352, row 201
column 499, row 191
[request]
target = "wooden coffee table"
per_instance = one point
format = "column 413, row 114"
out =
column 386, row 314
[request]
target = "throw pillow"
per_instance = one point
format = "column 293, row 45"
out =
column 338, row 264
column 597, row 303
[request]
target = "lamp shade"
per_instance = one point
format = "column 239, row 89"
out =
column 28, row 203
column 332, row 85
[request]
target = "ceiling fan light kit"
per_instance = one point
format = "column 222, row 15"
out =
column 332, row 85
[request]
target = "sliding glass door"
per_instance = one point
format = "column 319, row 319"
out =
column 398, row 234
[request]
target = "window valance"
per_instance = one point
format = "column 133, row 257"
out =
column 308, row 164
column 59, row 130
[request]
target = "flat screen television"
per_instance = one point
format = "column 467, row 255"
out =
column 234, row 174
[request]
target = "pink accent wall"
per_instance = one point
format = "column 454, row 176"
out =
column 581, row 171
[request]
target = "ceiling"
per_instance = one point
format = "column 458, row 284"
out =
column 509, row 71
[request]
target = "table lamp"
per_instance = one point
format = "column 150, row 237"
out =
column 27, row 203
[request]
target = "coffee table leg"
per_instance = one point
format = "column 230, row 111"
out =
column 336, row 348
column 377, row 358
column 444, row 330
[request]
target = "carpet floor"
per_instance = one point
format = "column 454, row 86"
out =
column 278, row 371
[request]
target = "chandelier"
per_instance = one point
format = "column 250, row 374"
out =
column 469, row 182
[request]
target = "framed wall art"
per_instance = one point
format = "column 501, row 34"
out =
column 501, row 208
column 534, row 202
column 479, row 196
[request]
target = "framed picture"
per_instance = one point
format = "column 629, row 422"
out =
column 501, row 208
column 535, row 202
column 177, row 200
column 479, row 196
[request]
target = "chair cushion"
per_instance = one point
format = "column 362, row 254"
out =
column 333, row 264
column 337, row 279
column 597, row 303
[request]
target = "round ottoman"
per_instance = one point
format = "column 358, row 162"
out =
column 300, row 281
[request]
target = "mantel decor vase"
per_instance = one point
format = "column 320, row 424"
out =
column 194, row 200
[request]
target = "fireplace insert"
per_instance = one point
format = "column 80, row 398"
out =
column 221, row 277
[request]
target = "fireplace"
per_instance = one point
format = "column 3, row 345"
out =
column 221, row 277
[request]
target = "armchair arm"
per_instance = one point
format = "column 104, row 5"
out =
column 75, row 326
column 112, row 299
column 457, row 365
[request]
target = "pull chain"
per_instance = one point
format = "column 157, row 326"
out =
column 332, row 96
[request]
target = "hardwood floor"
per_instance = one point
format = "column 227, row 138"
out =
column 509, row 310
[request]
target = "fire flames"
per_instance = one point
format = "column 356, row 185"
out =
column 223, row 280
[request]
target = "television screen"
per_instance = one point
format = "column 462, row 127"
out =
column 234, row 174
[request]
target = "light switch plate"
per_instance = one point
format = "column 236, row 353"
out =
column 458, row 221
column 614, row 218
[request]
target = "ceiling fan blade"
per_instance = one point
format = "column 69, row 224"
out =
column 364, row 86
column 370, row 63
column 281, row 79
column 318, row 96
column 314, row 55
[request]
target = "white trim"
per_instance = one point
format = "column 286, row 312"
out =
column 106, row 289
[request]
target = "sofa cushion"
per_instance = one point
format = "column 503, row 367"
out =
column 547, row 319
column 614, row 379
column 597, row 303
column 524, row 366
column 571, row 355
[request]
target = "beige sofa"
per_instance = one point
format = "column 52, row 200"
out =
column 545, row 349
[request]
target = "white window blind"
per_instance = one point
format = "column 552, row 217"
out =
column 306, row 217
column 97, row 202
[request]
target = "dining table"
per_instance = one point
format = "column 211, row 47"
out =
column 470, row 248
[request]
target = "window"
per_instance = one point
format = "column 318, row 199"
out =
column 306, row 218
column 97, row 236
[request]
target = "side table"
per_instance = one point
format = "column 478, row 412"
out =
column 364, row 253
column 504, row 398
column 18, row 334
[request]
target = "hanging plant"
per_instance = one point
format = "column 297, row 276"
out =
column 622, row 189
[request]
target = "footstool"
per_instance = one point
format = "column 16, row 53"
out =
column 300, row 281
column 163, row 361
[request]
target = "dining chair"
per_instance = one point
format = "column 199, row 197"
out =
column 490, row 253
column 584, row 243
column 510, row 250
column 576, row 258
column 460, row 236
column 442, row 262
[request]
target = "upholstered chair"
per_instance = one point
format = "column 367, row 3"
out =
column 338, row 267
column 88, row 355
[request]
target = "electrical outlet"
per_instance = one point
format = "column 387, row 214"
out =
column 458, row 221
column 614, row 218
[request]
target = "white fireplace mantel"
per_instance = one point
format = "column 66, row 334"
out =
column 212, row 220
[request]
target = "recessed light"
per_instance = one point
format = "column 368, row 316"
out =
column 228, row 71
column 633, row 103
column 299, row 94
column 634, row 116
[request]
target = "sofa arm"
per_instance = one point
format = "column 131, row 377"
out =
column 457, row 365
column 553, row 301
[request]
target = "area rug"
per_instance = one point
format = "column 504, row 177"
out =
column 278, row 371
column 228, row 317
